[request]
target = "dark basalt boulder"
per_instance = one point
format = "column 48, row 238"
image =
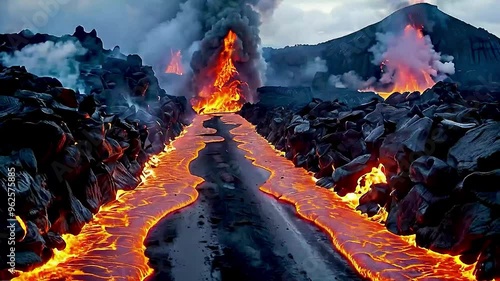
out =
column 434, row 173
column 478, row 150
column 345, row 177
column 484, row 187
column 410, row 140
column 418, row 208
column 462, row 227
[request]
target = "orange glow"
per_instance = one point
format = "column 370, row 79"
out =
column 223, row 93
column 110, row 247
column 376, row 253
column 365, row 182
column 23, row 226
column 175, row 65
column 406, row 78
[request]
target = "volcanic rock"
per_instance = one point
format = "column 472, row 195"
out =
column 345, row 177
column 478, row 150
column 410, row 140
column 462, row 227
column 418, row 208
column 484, row 187
column 434, row 173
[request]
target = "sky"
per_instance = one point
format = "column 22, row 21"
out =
column 293, row 22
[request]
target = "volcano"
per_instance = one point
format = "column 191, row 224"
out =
column 475, row 51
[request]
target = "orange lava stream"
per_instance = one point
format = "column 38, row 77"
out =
column 175, row 65
column 110, row 247
column 376, row 253
column 223, row 93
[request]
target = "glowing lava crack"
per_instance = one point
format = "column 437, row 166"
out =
column 375, row 252
column 111, row 246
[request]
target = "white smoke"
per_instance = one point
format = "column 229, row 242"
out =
column 313, row 67
column 50, row 59
column 350, row 80
column 412, row 52
column 182, row 32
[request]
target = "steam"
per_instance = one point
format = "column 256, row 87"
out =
column 412, row 52
column 57, row 60
column 405, row 53
column 351, row 80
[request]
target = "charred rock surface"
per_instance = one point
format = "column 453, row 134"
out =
column 73, row 152
column 440, row 152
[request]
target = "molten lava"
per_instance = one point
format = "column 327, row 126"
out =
column 365, row 183
column 376, row 253
column 403, row 75
column 222, row 92
column 175, row 65
column 110, row 247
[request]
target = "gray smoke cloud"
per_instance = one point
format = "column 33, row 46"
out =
column 216, row 18
column 57, row 60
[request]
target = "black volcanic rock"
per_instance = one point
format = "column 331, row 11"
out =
column 410, row 140
column 479, row 150
column 434, row 173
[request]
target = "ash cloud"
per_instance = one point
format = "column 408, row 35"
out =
column 57, row 60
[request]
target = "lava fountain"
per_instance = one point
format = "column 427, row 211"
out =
column 175, row 65
column 376, row 253
column 223, row 90
column 110, row 247
column 408, row 63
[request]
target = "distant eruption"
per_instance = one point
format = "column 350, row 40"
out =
column 175, row 65
column 408, row 62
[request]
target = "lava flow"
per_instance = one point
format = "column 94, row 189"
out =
column 376, row 253
column 175, row 65
column 402, row 72
column 365, row 184
column 222, row 91
column 110, row 247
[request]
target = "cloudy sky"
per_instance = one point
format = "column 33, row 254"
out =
column 293, row 22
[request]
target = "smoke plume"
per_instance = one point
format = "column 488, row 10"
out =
column 215, row 19
column 411, row 52
column 57, row 60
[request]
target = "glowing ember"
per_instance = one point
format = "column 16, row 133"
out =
column 110, row 247
column 375, row 252
column 365, row 182
column 400, row 71
column 223, row 92
column 175, row 65
column 22, row 224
